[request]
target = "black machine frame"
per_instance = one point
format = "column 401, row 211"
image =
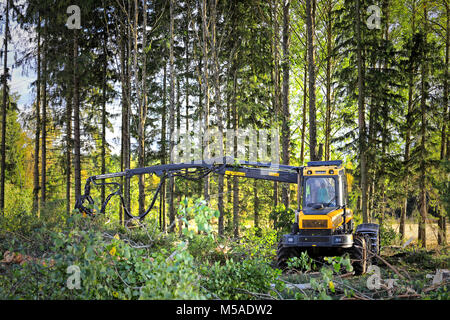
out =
column 202, row 168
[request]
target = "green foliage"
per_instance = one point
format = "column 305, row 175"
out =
column 120, row 267
column 339, row 263
column 175, row 278
column 109, row 269
column 324, row 284
column 282, row 219
column 247, row 279
column 205, row 249
column 388, row 236
column 257, row 245
column 202, row 215
column 304, row 262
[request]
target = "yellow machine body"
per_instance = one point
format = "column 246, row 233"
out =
column 331, row 220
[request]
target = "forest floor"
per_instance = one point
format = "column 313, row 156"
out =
column 132, row 263
column 403, row 271
column 409, row 273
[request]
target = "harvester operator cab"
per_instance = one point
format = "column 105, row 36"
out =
column 324, row 187
column 323, row 197
column 324, row 225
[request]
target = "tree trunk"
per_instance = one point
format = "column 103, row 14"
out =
column 328, row 81
column 218, row 108
column 38, row 125
column 310, row 26
column 442, row 237
column 4, row 111
column 69, row 152
column 381, row 175
column 408, row 134
column 142, row 111
column 276, row 78
column 122, row 37
column 186, row 75
column 229, row 179
column 235, row 179
column 103, row 147
column 286, row 115
column 171, row 118
column 127, row 146
column 305, row 98
column 163, row 150
column 205, row 90
column 256, row 206
column 361, row 115
column 76, row 116
column 422, row 166
column 44, row 121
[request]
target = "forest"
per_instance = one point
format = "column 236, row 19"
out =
column 114, row 85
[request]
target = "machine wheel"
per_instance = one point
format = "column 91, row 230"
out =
column 370, row 258
column 375, row 259
column 284, row 253
column 294, row 228
column 358, row 254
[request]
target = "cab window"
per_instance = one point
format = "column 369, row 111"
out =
column 320, row 190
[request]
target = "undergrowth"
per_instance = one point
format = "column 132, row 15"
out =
column 55, row 256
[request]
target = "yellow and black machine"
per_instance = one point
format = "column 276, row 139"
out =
column 323, row 226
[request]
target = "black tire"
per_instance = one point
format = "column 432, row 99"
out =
column 369, row 250
column 358, row 254
column 294, row 228
column 284, row 254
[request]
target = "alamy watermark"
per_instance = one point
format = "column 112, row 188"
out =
column 374, row 20
column 74, row 20
column 74, row 280
column 209, row 144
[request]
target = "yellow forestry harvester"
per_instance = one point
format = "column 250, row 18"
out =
column 324, row 225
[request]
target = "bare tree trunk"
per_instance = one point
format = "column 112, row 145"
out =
column 4, row 111
column 310, row 26
column 381, row 174
column 163, row 151
column 187, row 64
column 69, row 108
column 205, row 86
column 142, row 111
column 44, row 121
column 218, row 108
column 103, row 147
column 286, row 115
column 442, row 236
column 276, row 78
column 256, row 216
column 305, row 97
column 361, row 115
column 171, row 117
column 235, row 179
column 408, row 133
column 38, row 125
column 422, row 239
column 229, row 179
column 127, row 114
column 122, row 37
column 328, row 81
column 76, row 114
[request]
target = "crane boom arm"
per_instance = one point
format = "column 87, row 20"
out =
column 190, row 170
